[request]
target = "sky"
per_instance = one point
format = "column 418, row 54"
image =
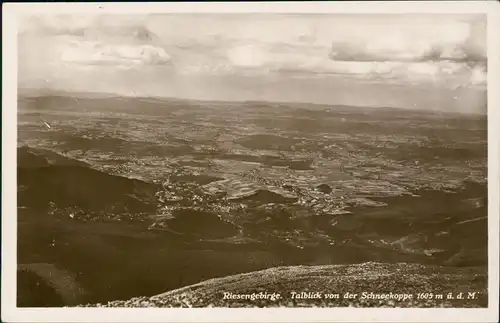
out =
column 435, row 62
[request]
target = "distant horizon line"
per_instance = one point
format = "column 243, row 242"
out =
column 27, row 92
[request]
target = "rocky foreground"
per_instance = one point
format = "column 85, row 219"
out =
column 376, row 285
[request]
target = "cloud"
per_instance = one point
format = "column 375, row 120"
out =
column 91, row 27
column 97, row 40
column 445, row 50
column 431, row 52
column 94, row 53
column 459, row 69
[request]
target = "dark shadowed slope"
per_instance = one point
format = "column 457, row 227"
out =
column 45, row 177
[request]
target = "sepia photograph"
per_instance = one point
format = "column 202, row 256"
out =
column 250, row 159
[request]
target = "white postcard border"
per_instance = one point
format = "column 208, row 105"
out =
column 9, row 170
